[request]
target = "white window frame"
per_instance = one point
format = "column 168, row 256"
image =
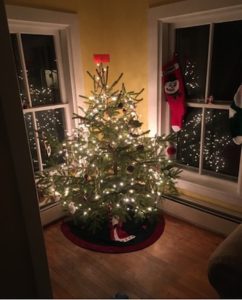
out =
column 65, row 103
column 162, row 21
column 64, row 27
column 34, row 21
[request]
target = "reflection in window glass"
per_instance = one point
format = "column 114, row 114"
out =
column 50, row 125
column 188, row 139
column 40, row 59
column 221, row 154
column 19, row 70
column 226, row 67
column 192, row 50
column 31, row 137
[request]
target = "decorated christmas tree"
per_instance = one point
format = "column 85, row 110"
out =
column 111, row 169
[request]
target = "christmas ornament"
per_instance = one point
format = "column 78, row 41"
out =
column 235, row 117
column 171, row 150
column 140, row 148
column 174, row 92
column 86, row 177
column 130, row 169
column 72, row 208
column 120, row 105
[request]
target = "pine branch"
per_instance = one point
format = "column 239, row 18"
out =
column 116, row 81
column 106, row 79
column 140, row 134
column 140, row 92
column 92, row 76
column 85, row 97
column 101, row 77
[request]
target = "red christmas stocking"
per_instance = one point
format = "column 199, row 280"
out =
column 174, row 92
column 117, row 233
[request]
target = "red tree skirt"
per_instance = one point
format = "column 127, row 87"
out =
column 146, row 234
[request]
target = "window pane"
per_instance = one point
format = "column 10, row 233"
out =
column 51, row 131
column 221, row 154
column 19, row 70
column 188, row 139
column 40, row 59
column 226, row 67
column 31, row 136
column 192, row 49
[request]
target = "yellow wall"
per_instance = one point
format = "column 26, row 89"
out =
column 118, row 28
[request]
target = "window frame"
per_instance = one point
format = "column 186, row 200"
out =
column 220, row 104
column 64, row 104
column 64, row 27
column 162, row 23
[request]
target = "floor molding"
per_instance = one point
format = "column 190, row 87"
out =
column 50, row 214
column 201, row 216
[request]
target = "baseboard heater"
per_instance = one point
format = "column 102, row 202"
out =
column 208, row 210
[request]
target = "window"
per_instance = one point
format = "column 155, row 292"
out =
column 46, row 48
column 207, row 37
column 211, row 62
column 45, row 112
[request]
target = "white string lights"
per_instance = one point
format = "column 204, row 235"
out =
column 215, row 141
column 110, row 164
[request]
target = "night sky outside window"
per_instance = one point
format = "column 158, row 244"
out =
column 211, row 62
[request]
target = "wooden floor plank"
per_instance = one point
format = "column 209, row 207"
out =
column 173, row 267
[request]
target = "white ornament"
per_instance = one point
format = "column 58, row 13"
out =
column 72, row 208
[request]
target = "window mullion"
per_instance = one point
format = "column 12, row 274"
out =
column 67, row 119
column 26, row 82
column 63, row 92
column 59, row 68
column 202, row 141
column 210, row 42
column 37, row 142
column 210, row 50
column 25, row 75
column 46, row 107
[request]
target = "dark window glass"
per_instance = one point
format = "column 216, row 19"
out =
column 188, row 139
column 226, row 67
column 31, row 137
column 50, row 125
column 40, row 60
column 221, row 154
column 19, row 71
column 192, row 50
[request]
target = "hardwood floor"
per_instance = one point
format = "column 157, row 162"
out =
column 173, row 267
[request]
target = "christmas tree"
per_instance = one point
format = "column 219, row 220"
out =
column 111, row 168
